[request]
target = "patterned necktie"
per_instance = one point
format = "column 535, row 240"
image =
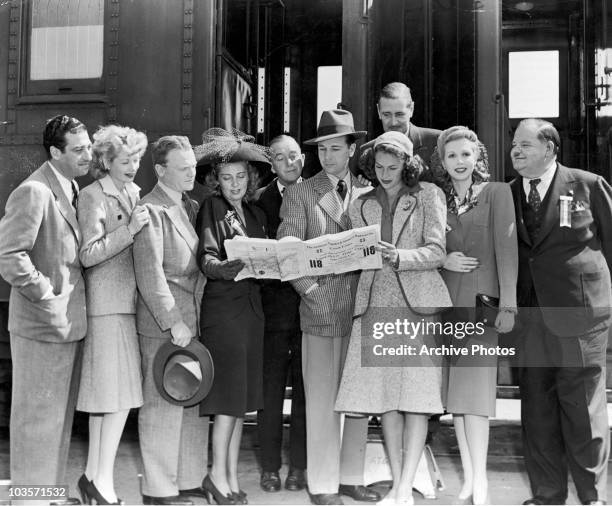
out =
column 75, row 194
column 341, row 189
column 188, row 206
column 533, row 199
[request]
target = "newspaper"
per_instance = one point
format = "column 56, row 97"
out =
column 291, row 258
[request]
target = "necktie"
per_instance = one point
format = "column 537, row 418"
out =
column 533, row 199
column 187, row 205
column 341, row 189
column 283, row 191
column 75, row 194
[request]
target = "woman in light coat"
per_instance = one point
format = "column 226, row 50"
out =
column 111, row 376
column 405, row 389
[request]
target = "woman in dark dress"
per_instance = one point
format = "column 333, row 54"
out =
column 232, row 321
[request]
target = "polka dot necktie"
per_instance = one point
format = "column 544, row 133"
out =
column 533, row 199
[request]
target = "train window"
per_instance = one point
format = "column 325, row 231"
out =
column 533, row 84
column 64, row 47
column 329, row 88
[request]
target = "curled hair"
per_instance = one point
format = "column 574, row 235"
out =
column 252, row 170
column 109, row 141
column 413, row 166
column 56, row 130
column 438, row 174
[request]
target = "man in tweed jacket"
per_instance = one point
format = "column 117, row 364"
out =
column 173, row 439
column 311, row 209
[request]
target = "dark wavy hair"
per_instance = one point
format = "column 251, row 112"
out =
column 413, row 166
column 438, row 175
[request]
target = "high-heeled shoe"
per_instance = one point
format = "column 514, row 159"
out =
column 95, row 495
column 83, row 486
column 240, row 497
column 212, row 492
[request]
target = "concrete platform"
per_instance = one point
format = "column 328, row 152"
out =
column 508, row 480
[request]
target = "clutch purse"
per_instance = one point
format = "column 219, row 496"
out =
column 487, row 308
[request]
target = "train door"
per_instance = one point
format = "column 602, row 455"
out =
column 543, row 73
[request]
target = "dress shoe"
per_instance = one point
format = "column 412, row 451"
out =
column 325, row 498
column 195, row 492
column 65, row 502
column 359, row 493
column 544, row 500
column 95, row 494
column 240, row 497
column 170, row 499
column 212, row 492
column 595, row 502
column 270, row 481
column 295, row 480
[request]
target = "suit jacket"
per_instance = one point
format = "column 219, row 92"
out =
column 424, row 141
column 568, row 267
column 419, row 227
column 39, row 250
column 312, row 209
column 106, row 252
column 487, row 232
column 170, row 283
column 281, row 302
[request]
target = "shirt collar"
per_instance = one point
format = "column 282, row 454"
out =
column 64, row 182
column 281, row 186
column 545, row 179
column 176, row 196
column 109, row 187
column 335, row 179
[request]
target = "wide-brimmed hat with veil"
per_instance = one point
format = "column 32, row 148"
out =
column 222, row 146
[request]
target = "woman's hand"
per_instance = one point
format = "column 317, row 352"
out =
column 458, row 262
column 389, row 252
column 504, row 322
column 139, row 218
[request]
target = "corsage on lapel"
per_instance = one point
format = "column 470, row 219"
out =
column 232, row 220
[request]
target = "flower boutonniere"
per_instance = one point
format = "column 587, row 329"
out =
column 232, row 220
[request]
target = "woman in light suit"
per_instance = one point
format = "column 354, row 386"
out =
column 481, row 258
column 406, row 390
column 111, row 376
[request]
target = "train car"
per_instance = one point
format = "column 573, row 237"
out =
column 269, row 66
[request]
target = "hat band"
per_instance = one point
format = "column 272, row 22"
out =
column 335, row 129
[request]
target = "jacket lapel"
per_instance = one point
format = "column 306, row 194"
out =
column 179, row 220
column 517, row 188
column 403, row 211
column 550, row 218
column 132, row 189
column 64, row 206
column 328, row 201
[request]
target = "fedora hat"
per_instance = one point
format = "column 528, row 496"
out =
column 335, row 123
column 222, row 146
column 183, row 376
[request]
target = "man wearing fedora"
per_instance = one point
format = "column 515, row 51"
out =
column 311, row 209
column 173, row 438
column 395, row 109
column 282, row 339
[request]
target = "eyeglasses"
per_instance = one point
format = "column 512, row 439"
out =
column 291, row 158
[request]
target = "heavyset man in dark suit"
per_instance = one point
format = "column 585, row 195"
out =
column 282, row 339
column 173, row 439
column 564, row 222
column 395, row 109
column 39, row 257
column 311, row 209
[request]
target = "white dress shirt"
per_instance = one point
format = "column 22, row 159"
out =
column 347, row 180
column 65, row 183
column 544, row 184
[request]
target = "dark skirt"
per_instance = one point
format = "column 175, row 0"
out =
column 232, row 330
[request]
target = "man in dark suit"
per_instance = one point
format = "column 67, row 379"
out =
column 311, row 209
column 282, row 339
column 564, row 219
column 39, row 257
column 395, row 109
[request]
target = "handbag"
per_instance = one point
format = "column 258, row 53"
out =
column 487, row 308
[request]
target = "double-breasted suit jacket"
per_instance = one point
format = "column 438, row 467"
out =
column 173, row 439
column 419, row 236
column 312, row 209
column 39, row 257
column 569, row 267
